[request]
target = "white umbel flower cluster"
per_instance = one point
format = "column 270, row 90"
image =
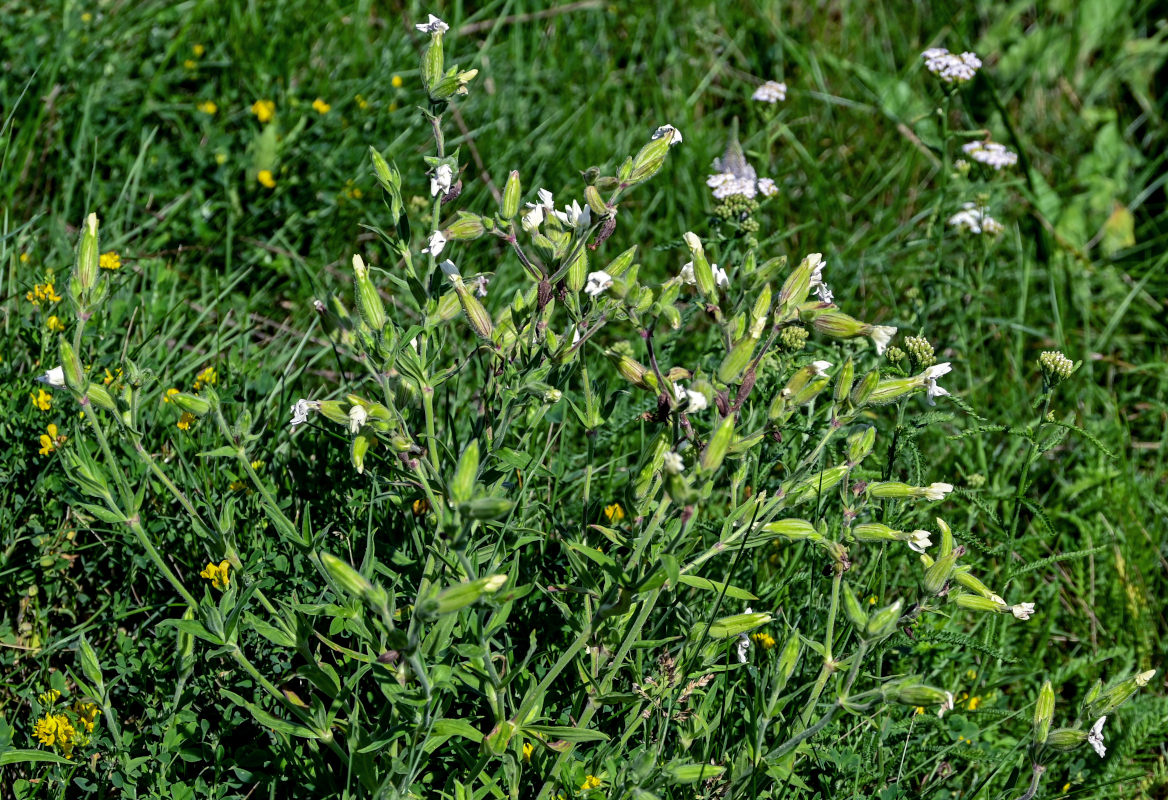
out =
column 991, row 154
column 770, row 92
column 950, row 67
column 973, row 219
column 734, row 175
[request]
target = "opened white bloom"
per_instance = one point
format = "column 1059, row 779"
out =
column 668, row 130
column 1023, row 610
column 481, row 285
column 1095, row 737
column 597, row 283
column 673, row 463
column 950, row 67
column 437, row 242
column 919, row 540
column 694, row 401
column 441, row 180
column 770, row 92
column 720, row 276
column 54, row 377
column 687, row 274
column 815, row 260
column 357, row 417
column 743, row 646
column 973, row 219
column 575, row 217
column 533, row 219
column 937, row 491
column 300, row 410
column 433, row 25
column 947, row 705
column 930, row 376
column 991, row 154
column 546, row 200
column 820, row 367
column 767, row 187
column 881, row 336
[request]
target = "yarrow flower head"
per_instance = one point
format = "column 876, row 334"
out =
column 975, row 219
column 432, row 25
column 991, row 154
column 770, row 92
column 950, row 67
column 733, row 174
column 1095, row 737
column 597, row 283
column 1055, row 367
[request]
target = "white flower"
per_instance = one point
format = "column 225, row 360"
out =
column 301, row 409
column 687, row 273
column 991, row 154
column 575, row 334
column 743, row 646
column 1095, row 737
column 437, row 242
column 820, row 367
column 972, row 219
column 441, row 180
column 937, row 491
column 575, row 217
column 54, row 377
column 1143, row 678
column 947, row 705
column 918, row 541
column 668, row 130
column 727, row 184
column 449, row 269
column 930, row 376
column 949, row 67
column 1023, row 610
column 357, row 417
column 597, row 283
column 770, row 92
column 433, row 25
column 695, row 401
column 533, row 218
column 815, row 260
column 481, row 285
column 720, row 276
column 767, row 187
column 673, row 463
column 546, row 199
column 881, row 336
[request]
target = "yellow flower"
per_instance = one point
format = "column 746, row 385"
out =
column 24, row 258
column 257, row 464
column 87, row 17
column 190, row 64
column 208, row 377
column 393, row 106
column 971, row 674
column 198, row 50
column 266, row 179
column 54, row 324
column 236, row 486
column 763, row 640
column 86, row 714
column 169, row 394
column 591, row 782
column 43, row 292
column 362, row 103
column 421, row 507
column 55, row 730
column 110, row 260
column 320, row 106
column 111, row 377
column 528, row 749
column 49, row 697
column 42, row 400
column 614, row 512
column 264, row 110
column 217, row 574
column 184, row 422
column 872, row 600
column 208, row 107
column 974, row 702
column 52, row 440
column 396, row 81
column 220, row 158
column 919, row 710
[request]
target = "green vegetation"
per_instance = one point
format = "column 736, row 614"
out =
column 640, row 498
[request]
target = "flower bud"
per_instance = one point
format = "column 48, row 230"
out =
column 335, row 410
column 703, row 273
column 1043, row 712
column 883, row 622
column 843, row 382
column 510, row 205
column 734, row 625
column 789, row 658
column 368, row 299
column 716, row 448
column 488, row 508
column 432, row 62
column 346, row 577
column 875, row 532
column 467, row 226
column 88, row 255
column 633, row 371
column 648, row 161
column 862, row 391
column 460, row 596
column 736, row 361
column 966, row 579
column 359, row 447
column 191, row 403
column 853, row 610
column 74, row 375
column 462, row 486
column 101, row 398
column 476, row 314
column 595, row 201
column 976, row 602
column 1066, row 739
column 793, row 529
column 938, row 575
column 860, row 444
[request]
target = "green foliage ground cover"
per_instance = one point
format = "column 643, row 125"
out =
column 605, row 664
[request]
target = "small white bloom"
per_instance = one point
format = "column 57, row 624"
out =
column 575, row 334
column 881, row 336
column 668, row 130
column 546, row 199
column 1023, row 610
column 972, row 219
column 770, row 92
column 720, row 276
column 950, row 67
column 575, row 217
column 300, row 410
column 441, row 180
column 697, row 401
column 931, row 374
column 54, row 377
column 918, row 541
column 533, row 219
column 437, row 242
column 991, row 154
column 1143, row 678
column 947, row 705
column 687, row 273
column 767, row 187
column 820, row 367
column 597, row 283
column 673, row 463
column 357, row 417
column 937, row 491
column 1095, row 737
column 433, row 25
column 481, row 285
column 743, row 646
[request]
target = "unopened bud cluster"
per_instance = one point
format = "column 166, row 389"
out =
column 920, row 352
column 1055, row 367
column 792, row 339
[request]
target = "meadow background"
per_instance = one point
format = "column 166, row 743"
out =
column 142, row 112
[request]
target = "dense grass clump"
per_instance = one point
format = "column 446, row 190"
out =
column 595, row 400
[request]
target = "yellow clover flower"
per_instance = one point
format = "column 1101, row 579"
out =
column 198, row 50
column 86, row 714
column 591, row 782
column 208, row 377
column 396, row 81
column 614, row 513
column 54, row 324
column 42, row 400
column 184, row 422
column 52, row 440
column 110, row 260
column 208, row 107
column 320, row 106
column 265, row 178
column 55, row 730
column 763, row 640
column 217, row 574
column 264, row 110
